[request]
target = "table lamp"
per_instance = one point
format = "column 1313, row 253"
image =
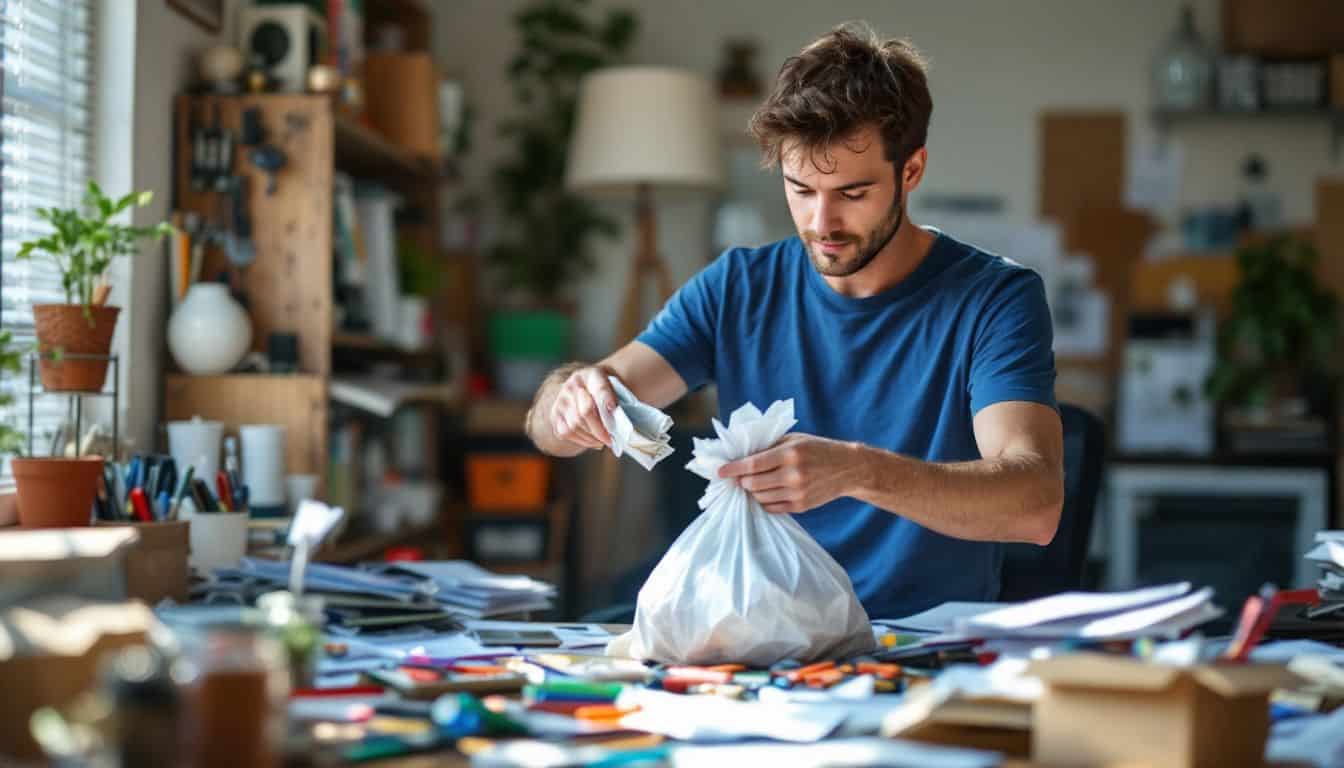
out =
column 638, row 129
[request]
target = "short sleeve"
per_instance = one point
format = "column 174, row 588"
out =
column 1012, row 356
column 685, row 329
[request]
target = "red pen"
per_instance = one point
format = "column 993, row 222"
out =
column 225, row 490
column 1258, row 614
column 140, row 504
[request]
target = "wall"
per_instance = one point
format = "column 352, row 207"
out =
column 995, row 65
column 146, row 55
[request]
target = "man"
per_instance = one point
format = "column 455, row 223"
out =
column 920, row 367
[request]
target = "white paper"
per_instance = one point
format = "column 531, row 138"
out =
column 940, row 618
column 712, row 718
column 1154, row 182
column 1328, row 551
column 896, row 753
column 1168, row 618
column 1069, row 605
column 1088, row 335
column 636, row 428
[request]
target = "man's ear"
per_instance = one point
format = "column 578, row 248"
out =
column 913, row 172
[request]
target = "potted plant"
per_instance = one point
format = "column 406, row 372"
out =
column 53, row 492
column 82, row 245
column 1276, row 351
column 546, row 242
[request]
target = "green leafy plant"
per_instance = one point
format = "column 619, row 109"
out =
column 83, row 242
column 11, row 362
column 1283, row 327
column 547, row 226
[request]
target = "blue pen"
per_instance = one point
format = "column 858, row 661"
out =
column 161, row 505
column 133, row 474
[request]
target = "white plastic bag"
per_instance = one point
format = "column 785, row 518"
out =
column 741, row 585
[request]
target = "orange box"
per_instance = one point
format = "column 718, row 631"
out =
column 507, row 481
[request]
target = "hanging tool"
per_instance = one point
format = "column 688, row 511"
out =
column 270, row 159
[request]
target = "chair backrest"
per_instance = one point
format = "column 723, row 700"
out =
column 1031, row 571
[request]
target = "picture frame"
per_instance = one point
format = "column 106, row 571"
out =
column 206, row 14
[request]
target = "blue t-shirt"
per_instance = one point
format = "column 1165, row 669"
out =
column 903, row 370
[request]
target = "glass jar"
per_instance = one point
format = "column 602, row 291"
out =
column 1183, row 72
column 236, row 680
column 297, row 623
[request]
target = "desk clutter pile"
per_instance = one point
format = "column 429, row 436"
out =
column 387, row 662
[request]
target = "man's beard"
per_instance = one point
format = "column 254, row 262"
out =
column 866, row 248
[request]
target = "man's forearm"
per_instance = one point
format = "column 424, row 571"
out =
column 1015, row 498
column 538, row 424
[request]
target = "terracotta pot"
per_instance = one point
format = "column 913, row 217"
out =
column 57, row 493
column 64, row 329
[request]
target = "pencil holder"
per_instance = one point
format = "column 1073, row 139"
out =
column 218, row 540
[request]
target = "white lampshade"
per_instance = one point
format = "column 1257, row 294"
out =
column 644, row 125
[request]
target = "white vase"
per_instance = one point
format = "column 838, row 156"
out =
column 209, row 332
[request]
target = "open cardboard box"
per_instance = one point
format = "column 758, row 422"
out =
column 953, row 718
column 1101, row 710
column 156, row 564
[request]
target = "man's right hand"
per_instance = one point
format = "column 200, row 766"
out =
column 574, row 416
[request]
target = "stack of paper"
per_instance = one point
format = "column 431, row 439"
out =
column 388, row 598
column 471, row 591
column 1328, row 554
column 1161, row 612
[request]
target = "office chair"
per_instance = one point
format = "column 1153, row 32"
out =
column 1029, row 570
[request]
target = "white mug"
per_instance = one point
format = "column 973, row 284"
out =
column 264, row 468
column 195, row 443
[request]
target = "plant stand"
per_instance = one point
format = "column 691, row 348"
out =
column 115, row 394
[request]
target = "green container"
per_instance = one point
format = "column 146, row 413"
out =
column 535, row 334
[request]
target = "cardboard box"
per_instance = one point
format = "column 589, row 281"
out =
column 156, row 564
column 1100, row 710
column 1082, row 161
column 85, row 562
column 50, row 653
column 401, row 98
column 1283, row 28
column 934, row 715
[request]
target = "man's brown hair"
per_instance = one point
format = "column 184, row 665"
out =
column 843, row 81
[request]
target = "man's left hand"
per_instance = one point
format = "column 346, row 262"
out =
column 799, row 473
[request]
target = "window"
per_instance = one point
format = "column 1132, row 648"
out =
column 45, row 160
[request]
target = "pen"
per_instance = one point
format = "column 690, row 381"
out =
column 226, row 497
column 200, row 495
column 141, row 505
column 161, row 505
column 181, row 492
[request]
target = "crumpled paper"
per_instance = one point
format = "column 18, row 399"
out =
column 637, row 429
column 741, row 585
